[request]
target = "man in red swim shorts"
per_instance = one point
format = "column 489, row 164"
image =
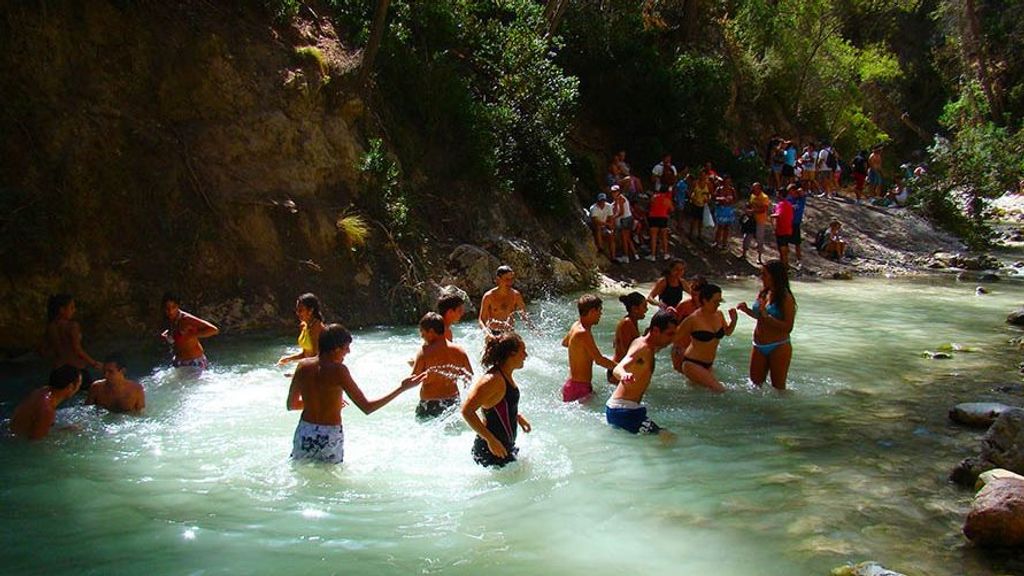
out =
column 583, row 352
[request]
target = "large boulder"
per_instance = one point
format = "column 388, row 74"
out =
column 1016, row 317
column 472, row 268
column 864, row 569
column 996, row 518
column 977, row 414
column 995, row 474
column 1001, row 447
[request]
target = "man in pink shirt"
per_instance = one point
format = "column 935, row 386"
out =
column 783, row 217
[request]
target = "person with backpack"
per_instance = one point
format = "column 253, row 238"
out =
column 826, row 165
column 860, row 173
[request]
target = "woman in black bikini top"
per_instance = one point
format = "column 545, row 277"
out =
column 700, row 354
column 495, row 394
column 668, row 291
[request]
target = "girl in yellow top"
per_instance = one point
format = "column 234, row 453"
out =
column 698, row 199
column 760, row 205
column 311, row 319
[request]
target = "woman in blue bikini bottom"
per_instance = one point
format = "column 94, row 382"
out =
column 774, row 324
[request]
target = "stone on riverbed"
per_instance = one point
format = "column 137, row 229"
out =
column 1016, row 317
column 977, row 414
column 864, row 569
column 995, row 474
column 996, row 518
column 1001, row 447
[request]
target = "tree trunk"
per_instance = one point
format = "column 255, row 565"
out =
column 373, row 46
column 691, row 22
column 976, row 58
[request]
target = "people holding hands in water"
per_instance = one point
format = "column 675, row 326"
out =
column 628, row 328
column 633, row 373
column 317, row 388
column 499, row 304
column 184, row 334
column 311, row 322
column 583, row 351
column 444, row 364
column 706, row 327
column 496, row 395
column 775, row 312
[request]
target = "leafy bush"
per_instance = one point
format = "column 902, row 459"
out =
column 384, row 177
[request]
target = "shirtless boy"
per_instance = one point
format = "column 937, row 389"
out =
column 499, row 304
column 583, row 352
column 623, row 409
column 184, row 333
column 33, row 418
column 63, row 340
column 451, row 307
column 115, row 392
column 444, row 364
column 316, row 389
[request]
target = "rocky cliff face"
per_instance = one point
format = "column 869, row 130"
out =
column 198, row 147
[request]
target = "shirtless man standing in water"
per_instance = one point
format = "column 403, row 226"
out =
column 33, row 418
column 115, row 392
column 583, row 351
column 316, row 389
column 499, row 304
column 444, row 364
column 623, row 409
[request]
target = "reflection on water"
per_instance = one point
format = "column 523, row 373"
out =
column 848, row 465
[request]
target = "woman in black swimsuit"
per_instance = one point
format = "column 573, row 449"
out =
column 706, row 328
column 496, row 394
column 670, row 288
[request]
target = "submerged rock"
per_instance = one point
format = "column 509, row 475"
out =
column 977, row 414
column 1001, row 447
column 988, row 277
column 996, row 518
column 864, row 569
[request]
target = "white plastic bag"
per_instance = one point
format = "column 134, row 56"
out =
column 709, row 221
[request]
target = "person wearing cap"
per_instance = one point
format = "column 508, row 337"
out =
column 499, row 304
column 622, row 215
column 603, row 225
column 35, row 414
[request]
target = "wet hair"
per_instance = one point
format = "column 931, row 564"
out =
column 502, row 270
column 170, row 297
column 115, row 359
column 662, row 319
column 433, row 322
column 312, row 303
column 500, row 347
column 697, row 284
column 708, row 291
column 632, row 300
column 449, row 302
column 55, row 303
column 334, row 336
column 780, row 281
column 64, row 376
column 588, row 302
column 672, row 264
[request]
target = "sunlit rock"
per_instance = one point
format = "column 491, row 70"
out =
column 977, row 414
column 996, row 518
column 864, row 569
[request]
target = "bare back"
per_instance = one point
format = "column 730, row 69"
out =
column 625, row 333
column 445, row 364
column 34, row 416
column 320, row 385
column 583, row 353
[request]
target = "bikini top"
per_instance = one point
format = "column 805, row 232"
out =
column 708, row 336
column 772, row 309
column 671, row 295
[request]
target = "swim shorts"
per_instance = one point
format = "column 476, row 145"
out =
column 629, row 416
column 318, row 442
column 202, row 363
column 781, row 241
column 428, row 409
column 573, row 390
column 656, row 222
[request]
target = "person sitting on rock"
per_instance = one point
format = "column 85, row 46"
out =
column 603, row 225
column 835, row 245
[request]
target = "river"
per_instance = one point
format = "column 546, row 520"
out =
column 850, row 464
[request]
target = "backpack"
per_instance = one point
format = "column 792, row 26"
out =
column 860, row 166
column 830, row 160
column 821, row 239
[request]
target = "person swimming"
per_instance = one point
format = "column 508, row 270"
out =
column 775, row 312
column 311, row 322
column 699, row 357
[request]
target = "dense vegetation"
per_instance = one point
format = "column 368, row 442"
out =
column 524, row 96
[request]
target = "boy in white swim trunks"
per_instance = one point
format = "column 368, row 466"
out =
column 316, row 389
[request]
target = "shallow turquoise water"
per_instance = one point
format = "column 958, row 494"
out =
column 849, row 465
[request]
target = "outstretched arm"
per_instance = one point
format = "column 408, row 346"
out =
column 371, row 406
